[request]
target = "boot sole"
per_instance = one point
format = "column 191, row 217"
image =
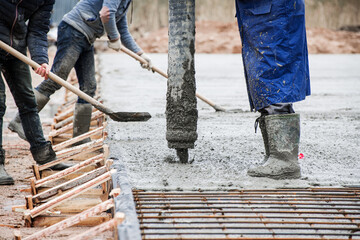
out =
column 287, row 175
column 14, row 130
column 7, row 182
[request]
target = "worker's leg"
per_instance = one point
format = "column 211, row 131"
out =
column 85, row 71
column 70, row 44
column 17, row 75
column 15, row 124
column 5, row 178
column 2, row 103
column 68, row 50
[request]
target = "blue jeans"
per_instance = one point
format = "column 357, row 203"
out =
column 73, row 50
column 18, row 78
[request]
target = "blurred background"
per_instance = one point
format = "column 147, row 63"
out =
column 333, row 25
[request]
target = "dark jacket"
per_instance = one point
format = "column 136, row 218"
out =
column 274, row 52
column 18, row 33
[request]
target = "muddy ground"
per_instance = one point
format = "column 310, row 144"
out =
column 227, row 145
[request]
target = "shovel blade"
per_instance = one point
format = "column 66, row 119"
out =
column 130, row 116
column 219, row 109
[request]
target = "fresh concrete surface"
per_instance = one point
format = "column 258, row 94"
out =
column 227, row 145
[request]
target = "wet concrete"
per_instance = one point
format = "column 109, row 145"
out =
column 181, row 111
column 227, row 145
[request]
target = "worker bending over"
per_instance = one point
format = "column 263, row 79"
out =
column 77, row 32
column 20, row 34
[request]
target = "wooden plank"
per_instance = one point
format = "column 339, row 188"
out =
column 106, row 151
column 71, row 194
column 68, row 185
column 65, row 172
column 68, row 105
column 29, row 202
column 32, row 185
column 95, row 137
column 77, row 205
column 62, row 123
column 64, row 115
column 67, row 121
column 72, row 220
column 89, row 154
column 65, row 107
column 26, row 190
column 64, row 136
column 69, row 127
column 78, row 138
column 46, row 221
column 18, row 208
column 80, row 148
column 91, row 193
column 48, row 172
column 17, row 235
column 62, row 130
column 81, row 156
column 95, row 231
column 36, row 171
column 68, row 153
column 59, row 139
column 68, row 132
column 89, row 168
column 71, row 99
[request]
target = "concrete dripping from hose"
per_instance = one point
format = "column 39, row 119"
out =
column 181, row 106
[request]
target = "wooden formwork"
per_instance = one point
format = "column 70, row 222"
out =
column 78, row 195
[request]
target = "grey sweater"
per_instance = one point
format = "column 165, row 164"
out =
column 85, row 18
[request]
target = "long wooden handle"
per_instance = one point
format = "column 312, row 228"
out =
column 55, row 78
column 141, row 60
column 155, row 69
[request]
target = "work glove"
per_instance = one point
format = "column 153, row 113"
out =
column 147, row 65
column 43, row 70
column 116, row 44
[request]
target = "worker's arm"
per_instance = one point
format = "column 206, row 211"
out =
column 126, row 38
column 129, row 42
column 107, row 16
column 38, row 27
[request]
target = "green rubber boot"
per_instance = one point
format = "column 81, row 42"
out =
column 5, row 178
column 15, row 124
column 82, row 120
column 283, row 133
column 261, row 121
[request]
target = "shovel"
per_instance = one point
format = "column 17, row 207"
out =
column 116, row 116
column 155, row 69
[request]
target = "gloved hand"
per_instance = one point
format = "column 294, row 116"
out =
column 147, row 66
column 116, row 44
column 43, row 70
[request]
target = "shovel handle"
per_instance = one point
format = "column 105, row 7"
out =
column 55, row 78
column 155, row 69
column 141, row 60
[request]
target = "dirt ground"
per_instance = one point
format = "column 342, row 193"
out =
column 214, row 37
